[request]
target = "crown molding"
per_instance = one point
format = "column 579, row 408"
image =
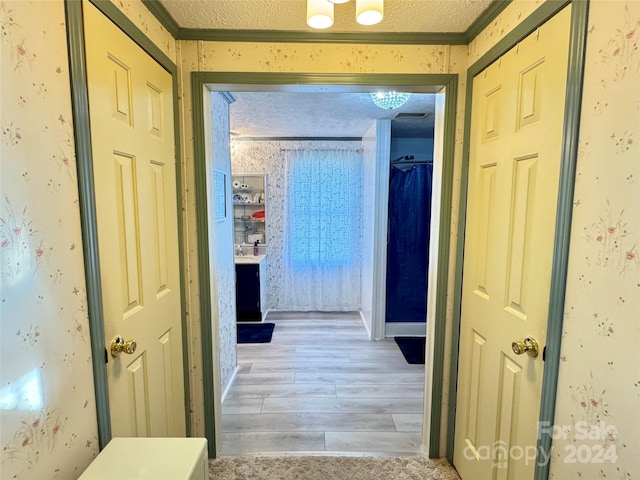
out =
column 297, row 139
column 163, row 16
column 373, row 38
column 489, row 15
column 293, row 81
column 274, row 36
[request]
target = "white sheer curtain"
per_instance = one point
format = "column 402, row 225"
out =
column 323, row 234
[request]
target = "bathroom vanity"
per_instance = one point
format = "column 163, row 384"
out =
column 251, row 278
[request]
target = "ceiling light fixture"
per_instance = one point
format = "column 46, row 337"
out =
column 369, row 12
column 320, row 12
column 389, row 100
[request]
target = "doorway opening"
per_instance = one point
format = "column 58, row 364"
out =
column 443, row 168
column 409, row 226
column 314, row 355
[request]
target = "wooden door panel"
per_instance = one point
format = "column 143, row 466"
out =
column 506, row 421
column 519, row 247
column 127, row 231
column 160, row 226
column 139, row 401
column 486, row 195
column 515, row 144
column 131, row 108
column 119, row 94
column 492, row 110
column 166, row 342
column 530, row 95
column 475, row 384
column 154, row 110
column 508, row 392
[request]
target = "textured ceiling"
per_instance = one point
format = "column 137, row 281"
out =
column 419, row 16
column 297, row 114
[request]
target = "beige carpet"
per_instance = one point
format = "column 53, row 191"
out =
column 329, row 468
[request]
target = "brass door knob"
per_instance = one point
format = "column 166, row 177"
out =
column 119, row 345
column 528, row 345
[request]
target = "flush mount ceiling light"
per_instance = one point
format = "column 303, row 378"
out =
column 369, row 12
column 320, row 12
column 389, row 100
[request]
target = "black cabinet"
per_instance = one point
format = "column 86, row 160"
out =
column 248, row 304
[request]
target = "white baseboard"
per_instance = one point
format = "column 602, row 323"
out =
column 405, row 329
column 231, row 380
column 364, row 322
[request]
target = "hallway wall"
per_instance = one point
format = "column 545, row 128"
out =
column 222, row 243
column 376, row 135
column 599, row 381
column 47, row 404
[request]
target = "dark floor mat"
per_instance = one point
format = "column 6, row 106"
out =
column 412, row 348
column 255, row 332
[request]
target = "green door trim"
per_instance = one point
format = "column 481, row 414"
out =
column 87, row 204
column 252, row 81
column 84, row 164
column 571, row 130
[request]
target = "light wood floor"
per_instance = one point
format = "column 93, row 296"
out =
column 322, row 386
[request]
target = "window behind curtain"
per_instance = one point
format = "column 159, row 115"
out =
column 324, row 196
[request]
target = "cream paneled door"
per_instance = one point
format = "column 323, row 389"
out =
column 131, row 113
column 516, row 136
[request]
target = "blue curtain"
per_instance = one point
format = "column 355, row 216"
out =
column 408, row 243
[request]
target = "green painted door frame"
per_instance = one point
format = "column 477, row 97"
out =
column 251, row 81
column 571, row 127
column 84, row 160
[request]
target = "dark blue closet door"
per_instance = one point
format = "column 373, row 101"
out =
column 408, row 243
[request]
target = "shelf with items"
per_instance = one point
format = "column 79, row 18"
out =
column 249, row 194
column 249, row 220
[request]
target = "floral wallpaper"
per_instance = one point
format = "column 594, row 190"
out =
column 324, row 58
column 265, row 157
column 47, row 407
column 599, row 389
column 226, row 271
column 187, row 61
